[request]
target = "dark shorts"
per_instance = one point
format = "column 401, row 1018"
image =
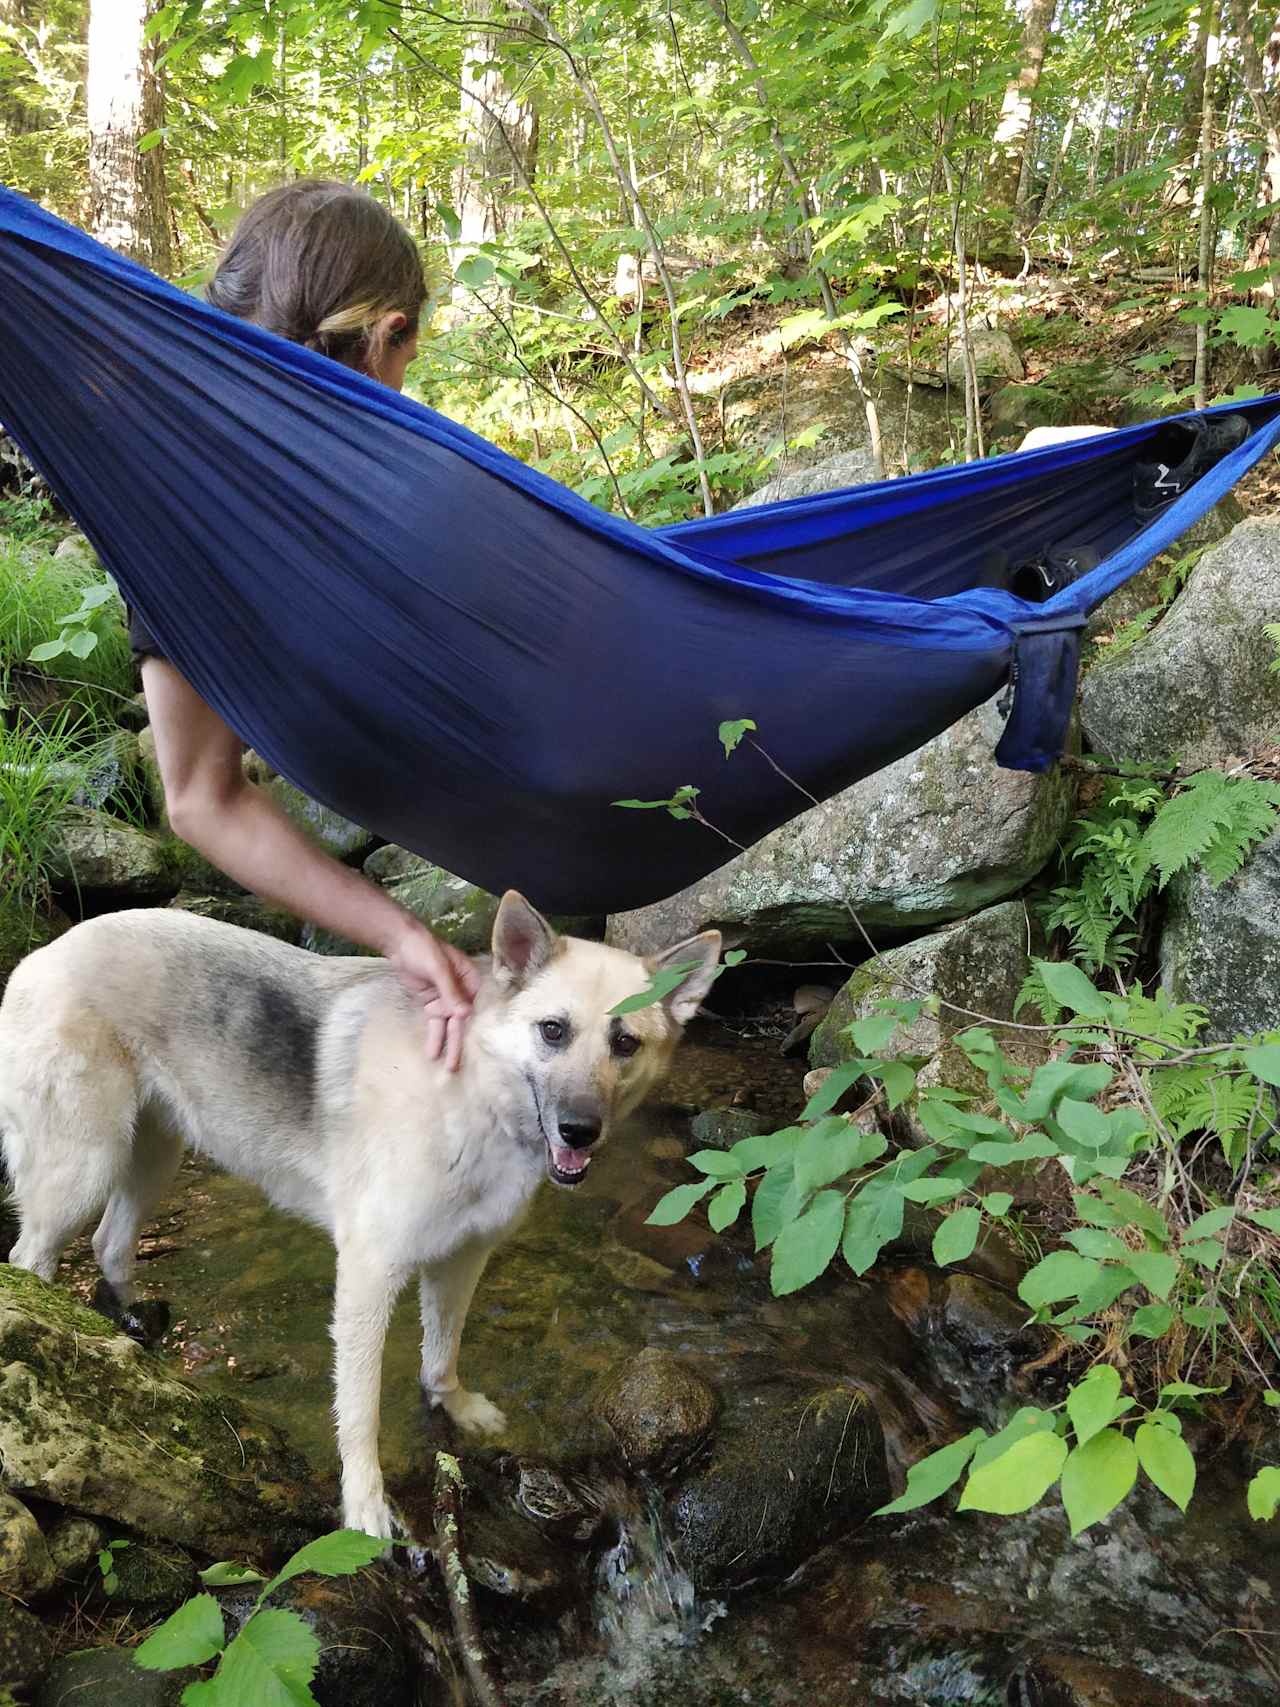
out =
column 142, row 642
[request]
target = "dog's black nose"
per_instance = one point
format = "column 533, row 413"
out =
column 579, row 1133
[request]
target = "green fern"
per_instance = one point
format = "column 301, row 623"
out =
column 1272, row 632
column 1034, row 993
column 1214, row 819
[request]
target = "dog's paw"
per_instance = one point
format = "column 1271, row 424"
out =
column 372, row 1516
column 471, row 1411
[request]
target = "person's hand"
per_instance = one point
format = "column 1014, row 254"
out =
column 444, row 981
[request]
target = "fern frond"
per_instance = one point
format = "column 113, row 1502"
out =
column 1253, row 817
column 1034, row 994
column 1176, row 1025
column 1186, row 825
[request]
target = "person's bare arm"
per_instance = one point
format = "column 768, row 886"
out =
column 244, row 833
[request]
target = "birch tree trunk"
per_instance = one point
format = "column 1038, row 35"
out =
column 1205, row 245
column 1013, row 129
column 487, row 178
column 128, row 207
column 1266, row 110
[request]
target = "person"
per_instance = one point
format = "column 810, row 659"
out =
column 326, row 266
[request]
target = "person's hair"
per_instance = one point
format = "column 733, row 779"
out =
column 321, row 263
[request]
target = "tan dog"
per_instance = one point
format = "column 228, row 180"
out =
column 139, row 1031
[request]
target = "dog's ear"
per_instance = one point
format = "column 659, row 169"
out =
column 701, row 954
column 522, row 940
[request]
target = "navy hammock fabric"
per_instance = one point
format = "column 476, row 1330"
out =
column 468, row 659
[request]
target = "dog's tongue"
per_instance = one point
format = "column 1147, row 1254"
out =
column 569, row 1161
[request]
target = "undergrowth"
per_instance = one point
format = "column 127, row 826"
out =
column 38, row 590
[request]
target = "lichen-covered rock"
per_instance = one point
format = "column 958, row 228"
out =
column 74, row 1543
column 90, row 1421
column 849, row 468
column 152, row 1581
column 1221, row 947
column 995, row 358
column 25, row 1566
column 792, row 1465
column 98, row 853
column 659, row 1409
column 1200, row 687
column 247, row 911
column 455, row 910
column 979, row 964
column 25, row 1648
column 939, row 834
column 335, row 834
column 107, row 1677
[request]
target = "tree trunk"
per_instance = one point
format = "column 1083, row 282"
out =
column 1266, row 110
column 1013, row 130
column 486, row 179
column 128, row 207
column 1205, row 245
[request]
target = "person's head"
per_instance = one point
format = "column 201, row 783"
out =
column 328, row 267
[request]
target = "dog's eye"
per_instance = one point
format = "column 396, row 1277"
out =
column 626, row 1045
column 553, row 1030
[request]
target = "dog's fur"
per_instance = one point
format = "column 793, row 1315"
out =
column 138, row 1031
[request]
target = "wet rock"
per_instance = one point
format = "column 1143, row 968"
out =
column 364, row 1658
column 659, row 1410
column 792, row 1465
column 98, row 853
column 1200, row 687
column 931, row 838
column 151, row 1580
column 979, row 965
column 1221, row 947
column 107, row 1677
column 90, row 1421
column 850, row 468
column 247, row 911
column 721, row 1128
column 26, row 1570
column 25, row 1648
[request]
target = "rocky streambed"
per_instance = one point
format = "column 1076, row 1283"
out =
column 681, row 1509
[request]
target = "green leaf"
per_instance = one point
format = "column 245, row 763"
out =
column 1151, row 1321
column 661, row 986
column 1263, row 1061
column 731, row 733
column 733, row 956
column 766, row 1205
column 872, row 1034
column 1062, row 1274
column 1084, row 1123
column 719, row 1164
column 47, row 649
column 727, row 1204
column 803, row 1249
column 340, row 1554
column 192, row 1635
column 1018, row 1478
column 1069, row 987
column 1209, row 1225
column 1207, row 1252
column 832, row 1088
column 82, row 642
column 1035, row 1147
column 1268, row 1218
column 874, row 1220
column 272, row 1661
column 675, row 1205
column 226, row 1574
column 1155, row 1270
column 1062, row 1078
column 1167, row 1460
column 832, row 1149
column 897, row 1077
column 1248, row 326
column 1186, row 1390
column 1096, row 1477
column 766, row 1150
column 1264, row 1494
column 449, row 219
column 998, row 1203
column 1095, row 1242
column 933, row 1475
column 956, row 1237
column 1091, row 1403
column 1135, row 1209
column 475, row 272
column 909, row 20
column 934, row 1190
column 1028, row 1419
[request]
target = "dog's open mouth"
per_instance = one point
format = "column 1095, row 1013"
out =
column 566, row 1166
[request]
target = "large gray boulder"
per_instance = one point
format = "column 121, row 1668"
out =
column 978, row 965
column 940, row 834
column 98, row 853
column 1221, row 947
column 455, row 910
column 1200, row 687
column 849, row 468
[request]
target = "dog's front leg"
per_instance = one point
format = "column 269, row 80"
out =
column 445, row 1290
column 363, row 1296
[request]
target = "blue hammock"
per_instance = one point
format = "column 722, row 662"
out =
column 468, row 659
